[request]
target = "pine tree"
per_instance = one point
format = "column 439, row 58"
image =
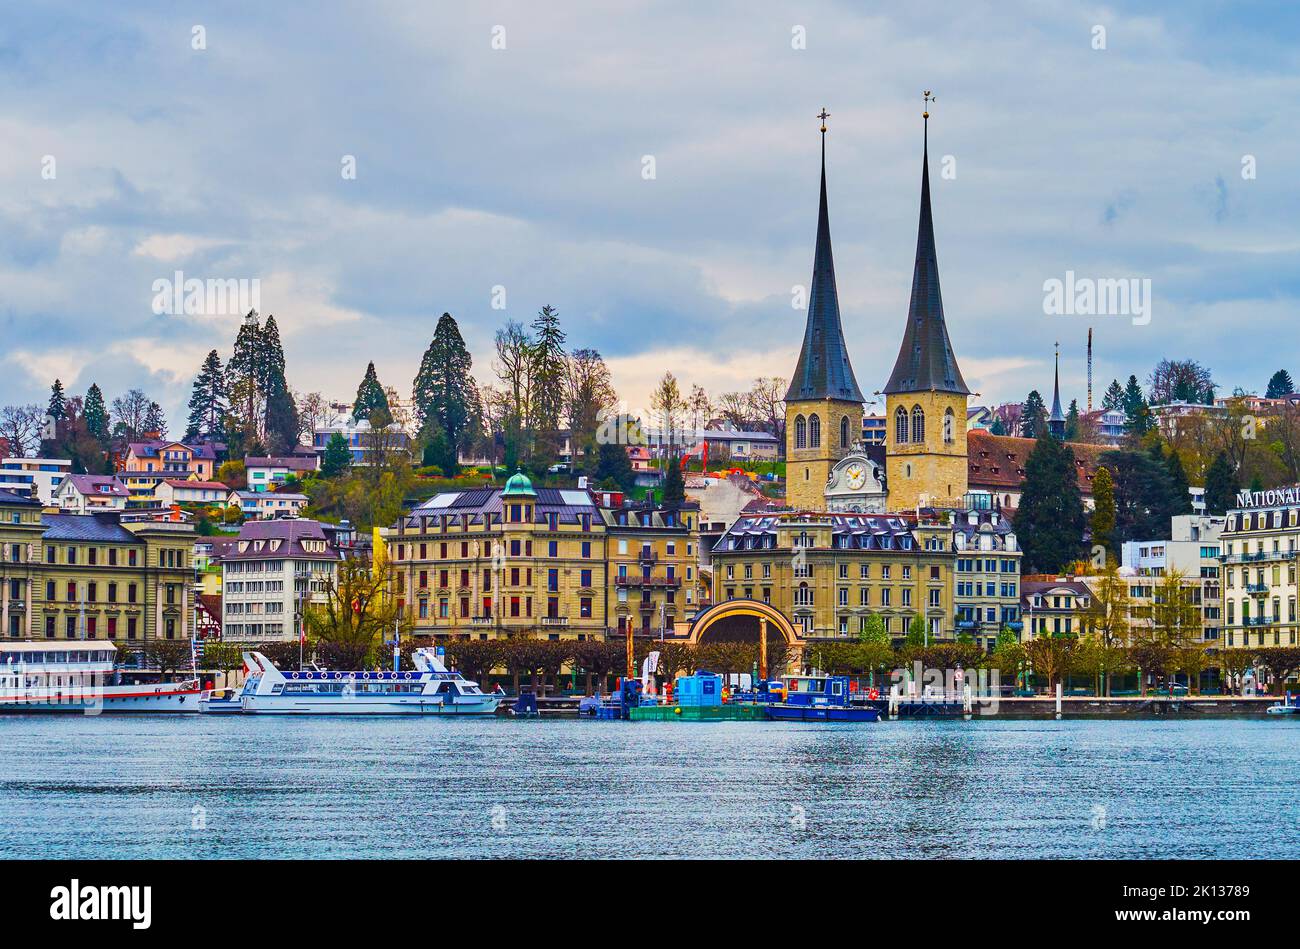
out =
column 1145, row 495
column 1279, row 385
column 1033, row 416
column 550, row 371
column 997, row 428
column 370, row 397
column 1050, row 519
column 1114, row 397
column 1181, row 497
column 1072, row 422
column 280, row 421
column 1103, row 513
column 1136, row 411
column 614, row 467
column 1221, row 486
column 155, row 420
column 57, row 409
column 444, row 394
column 208, row 400
column 95, row 412
column 337, row 457
column 244, row 374
column 674, row 484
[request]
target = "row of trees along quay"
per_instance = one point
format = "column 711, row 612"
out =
column 354, row 625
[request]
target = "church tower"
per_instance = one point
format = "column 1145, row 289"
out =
column 925, row 398
column 1056, row 421
column 823, row 406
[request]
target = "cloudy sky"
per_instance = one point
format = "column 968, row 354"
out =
column 523, row 167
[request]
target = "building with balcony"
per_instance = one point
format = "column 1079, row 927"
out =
column 1193, row 554
column 653, row 566
column 1258, row 561
column 86, row 493
column 829, row 572
column 269, row 574
column 266, row 473
column 1054, row 607
column 986, row 575
column 264, row 505
column 40, row 477
column 92, row 576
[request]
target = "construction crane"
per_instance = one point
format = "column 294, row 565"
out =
column 1089, row 368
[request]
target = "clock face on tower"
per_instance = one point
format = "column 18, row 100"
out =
column 855, row 476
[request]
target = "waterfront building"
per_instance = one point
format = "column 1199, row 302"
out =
column 652, row 566
column 547, row 562
column 1054, row 606
column 38, row 476
column 272, row 570
column 86, row 493
column 1192, row 553
column 823, row 404
column 986, row 575
column 830, row 572
column 1258, row 546
column 91, row 576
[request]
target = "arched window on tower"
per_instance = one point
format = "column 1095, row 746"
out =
column 900, row 426
column 949, row 427
column 800, row 432
column 844, row 431
column 814, row 431
column 918, row 424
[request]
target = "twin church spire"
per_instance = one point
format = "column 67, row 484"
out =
column 925, row 363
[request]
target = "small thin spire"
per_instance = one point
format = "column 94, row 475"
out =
column 1056, row 422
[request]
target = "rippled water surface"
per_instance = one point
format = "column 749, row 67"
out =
column 204, row 787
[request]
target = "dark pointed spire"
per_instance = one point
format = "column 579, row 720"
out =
column 823, row 371
column 925, row 359
column 1056, row 421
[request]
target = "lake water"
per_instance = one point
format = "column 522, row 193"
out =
column 230, row 786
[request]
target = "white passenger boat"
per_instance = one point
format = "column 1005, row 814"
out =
column 81, row 676
column 430, row 690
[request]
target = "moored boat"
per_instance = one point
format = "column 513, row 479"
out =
column 431, row 689
column 81, row 676
column 819, row 698
column 1290, row 705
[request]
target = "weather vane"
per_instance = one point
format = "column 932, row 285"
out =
column 928, row 99
column 823, row 115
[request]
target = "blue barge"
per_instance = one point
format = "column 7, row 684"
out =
column 819, row 698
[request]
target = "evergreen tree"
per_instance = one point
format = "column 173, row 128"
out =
column 208, row 400
column 674, row 484
column 244, row 376
column 57, row 409
column 1072, row 422
column 1136, row 411
column 614, row 467
column 95, row 413
column 917, row 631
column 371, row 398
column 1050, row 519
column 1256, row 483
column 155, row 420
column 1144, row 494
column 1033, row 416
column 445, row 397
column 1221, row 485
column 337, row 457
column 1279, row 384
column 1103, row 512
column 997, row 428
column 550, row 373
column 1114, row 397
column 1180, row 497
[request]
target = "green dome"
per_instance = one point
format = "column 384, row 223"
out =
column 518, row 486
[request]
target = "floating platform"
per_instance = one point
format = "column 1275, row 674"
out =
column 733, row 712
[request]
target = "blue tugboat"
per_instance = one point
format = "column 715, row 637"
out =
column 819, row 698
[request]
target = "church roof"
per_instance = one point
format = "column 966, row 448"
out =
column 925, row 358
column 823, row 371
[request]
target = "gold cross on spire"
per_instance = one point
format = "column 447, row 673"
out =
column 823, row 115
column 928, row 99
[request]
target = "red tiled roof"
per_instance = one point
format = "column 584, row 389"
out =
column 998, row 461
